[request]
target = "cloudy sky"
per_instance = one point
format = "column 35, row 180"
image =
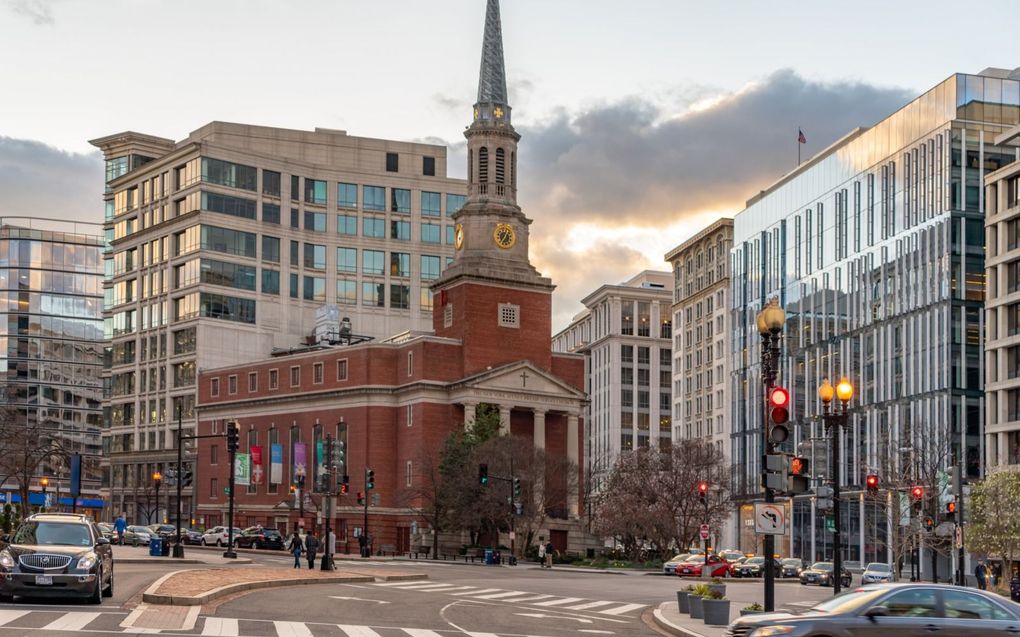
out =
column 642, row 120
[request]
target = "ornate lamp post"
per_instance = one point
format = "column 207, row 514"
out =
column 44, row 482
column 835, row 422
column 157, row 479
column 770, row 322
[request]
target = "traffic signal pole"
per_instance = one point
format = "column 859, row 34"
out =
column 364, row 529
column 232, row 438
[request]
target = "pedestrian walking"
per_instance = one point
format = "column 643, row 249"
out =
column 996, row 574
column 541, row 552
column 311, row 547
column 120, row 525
column 549, row 550
column 980, row 572
column 1014, row 585
column 295, row 546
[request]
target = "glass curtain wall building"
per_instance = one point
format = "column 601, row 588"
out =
column 875, row 248
column 51, row 346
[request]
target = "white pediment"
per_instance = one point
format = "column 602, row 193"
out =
column 522, row 378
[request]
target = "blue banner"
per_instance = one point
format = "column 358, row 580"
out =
column 276, row 464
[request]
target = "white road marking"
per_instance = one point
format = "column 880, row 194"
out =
column 220, row 627
column 71, row 621
column 544, row 616
column 420, row 632
column 398, row 583
column 292, row 629
column 7, row 616
column 626, row 608
column 590, row 605
column 359, row 599
column 358, row 631
column 481, row 590
column 596, row 631
column 501, row 595
column 420, row 586
column 559, row 601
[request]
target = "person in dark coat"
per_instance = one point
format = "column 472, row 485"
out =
column 1014, row 585
column 980, row 572
column 295, row 546
column 311, row 547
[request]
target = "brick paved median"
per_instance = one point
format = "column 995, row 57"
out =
column 194, row 587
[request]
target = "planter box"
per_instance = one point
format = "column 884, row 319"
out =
column 716, row 612
column 718, row 588
column 744, row 611
column 682, row 604
column 695, row 604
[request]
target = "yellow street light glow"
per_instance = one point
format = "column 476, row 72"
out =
column 826, row 391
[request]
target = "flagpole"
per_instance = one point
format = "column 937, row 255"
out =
column 798, row 145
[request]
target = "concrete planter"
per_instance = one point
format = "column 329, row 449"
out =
column 744, row 611
column 720, row 589
column 716, row 612
column 694, row 601
column 682, row 603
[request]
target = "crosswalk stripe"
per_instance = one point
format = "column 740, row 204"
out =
column 7, row 616
column 480, row 590
column 501, row 595
column 292, row 629
column 220, row 627
column 357, row 631
column 621, row 609
column 71, row 621
column 420, row 586
column 483, row 635
column 420, row 632
column 523, row 600
column 589, row 605
column 559, row 601
column 397, row 583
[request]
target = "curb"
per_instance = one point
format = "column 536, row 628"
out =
column 670, row 627
column 151, row 597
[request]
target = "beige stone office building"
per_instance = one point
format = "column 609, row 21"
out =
column 1002, row 311
column 228, row 244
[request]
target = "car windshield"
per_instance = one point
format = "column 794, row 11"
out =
column 849, row 601
column 755, row 560
column 879, row 567
column 791, row 562
column 822, row 566
column 696, row 559
column 53, row 534
column 270, row 532
column 677, row 558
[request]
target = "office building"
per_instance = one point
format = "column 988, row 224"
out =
column 875, row 248
column 227, row 244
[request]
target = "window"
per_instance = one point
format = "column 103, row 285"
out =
column 428, row 166
column 346, row 259
column 315, row 256
column 347, row 195
column 347, row 224
column 270, row 249
column 271, row 184
column 225, row 173
column 911, row 603
column 454, row 203
column 226, row 205
column 373, row 294
column 430, row 233
column 400, row 230
column 407, row 477
column 346, row 292
column 341, row 369
column 184, row 341
column 400, row 264
column 228, row 241
column 315, row 288
column 271, row 213
column 509, row 315
column 410, row 363
column 372, row 261
column 294, row 292
column 429, row 267
column 426, row 299
column 295, row 217
column 430, row 204
column 214, row 485
column 392, row 162
column 374, row 227
column 450, row 236
column 226, row 274
column 315, row 221
column 214, row 387
column 410, row 415
column 232, row 384
column 274, row 379
column 400, row 296
column 227, row 308
column 315, row 191
column 400, row 200
column 253, row 382
column 317, row 374
column 963, row 605
column 295, row 376
column 374, row 197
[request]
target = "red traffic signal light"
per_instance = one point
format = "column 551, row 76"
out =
column 872, row 483
column 917, row 493
column 702, row 487
column 950, row 507
column 344, row 489
column 779, row 397
column 798, row 466
column 779, row 414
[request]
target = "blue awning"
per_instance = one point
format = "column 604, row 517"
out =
column 37, row 499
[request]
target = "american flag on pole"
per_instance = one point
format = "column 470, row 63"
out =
column 800, row 136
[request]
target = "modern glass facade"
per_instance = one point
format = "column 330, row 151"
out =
column 875, row 249
column 51, row 337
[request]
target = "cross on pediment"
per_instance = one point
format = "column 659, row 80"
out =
column 524, row 379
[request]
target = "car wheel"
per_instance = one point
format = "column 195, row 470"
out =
column 108, row 591
column 218, row 542
column 202, row 542
column 97, row 595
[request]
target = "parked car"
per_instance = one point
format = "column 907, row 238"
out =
column 821, row 573
column 754, row 567
column 218, row 536
column 876, row 572
column 165, row 531
column 696, row 566
column 107, row 530
column 137, row 535
column 892, row 609
column 669, row 568
column 192, row 536
column 735, row 564
column 731, row 555
column 57, row 555
column 790, row 567
column 256, row 537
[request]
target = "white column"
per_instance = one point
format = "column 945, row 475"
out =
column 539, row 435
column 504, row 420
column 1003, row 448
column 572, row 455
column 469, row 416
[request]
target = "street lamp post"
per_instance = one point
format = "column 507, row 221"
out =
column 44, row 482
column 835, row 422
column 157, row 479
column 770, row 323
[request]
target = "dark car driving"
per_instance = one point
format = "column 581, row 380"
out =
column 791, row 567
column 257, row 537
column 754, row 567
column 57, row 555
column 821, row 573
column 892, row 609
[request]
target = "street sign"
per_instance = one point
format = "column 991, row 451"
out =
column 769, row 519
column 704, row 531
column 959, row 537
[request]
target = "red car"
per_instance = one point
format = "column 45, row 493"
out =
column 694, row 566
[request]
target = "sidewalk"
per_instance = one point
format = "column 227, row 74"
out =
column 140, row 555
column 668, row 618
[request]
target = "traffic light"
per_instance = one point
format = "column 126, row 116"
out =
column 823, row 498
column 232, row 436
column 369, row 479
column 950, row 511
column 871, row 482
column 929, row 524
column 338, row 454
column 779, row 414
column 703, row 492
column 293, row 489
column 361, row 497
column 799, row 482
column 917, row 493
column 344, row 489
column 483, row 474
column 517, row 487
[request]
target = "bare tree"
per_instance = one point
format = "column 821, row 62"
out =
column 994, row 527
column 27, row 447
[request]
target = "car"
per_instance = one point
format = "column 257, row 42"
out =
column 107, row 530
column 695, row 566
column 257, row 537
column 735, row 564
column 892, row 609
column 790, row 567
column 57, row 555
column 876, row 572
column 754, row 567
column 136, row 535
column 218, row 536
column 165, row 531
column 821, row 573
column 669, row 567
column 191, row 536
column 731, row 555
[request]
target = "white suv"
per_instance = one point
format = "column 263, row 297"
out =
column 218, row 536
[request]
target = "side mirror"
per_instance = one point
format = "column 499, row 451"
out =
column 876, row 611
column 101, row 541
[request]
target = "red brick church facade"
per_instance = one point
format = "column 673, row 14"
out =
column 392, row 399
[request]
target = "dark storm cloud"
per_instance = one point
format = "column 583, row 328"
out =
column 37, row 11
column 37, row 180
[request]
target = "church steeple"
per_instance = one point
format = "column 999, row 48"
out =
column 492, row 76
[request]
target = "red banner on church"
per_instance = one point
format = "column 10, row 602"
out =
column 257, row 469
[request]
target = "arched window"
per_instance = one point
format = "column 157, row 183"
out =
column 513, row 170
column 483, row 165
column 471, row 165
column 500, row 166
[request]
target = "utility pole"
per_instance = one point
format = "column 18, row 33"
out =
column 369, row 485
column 958, row 514
column 233, row 435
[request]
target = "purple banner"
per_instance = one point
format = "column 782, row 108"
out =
column 300, row 459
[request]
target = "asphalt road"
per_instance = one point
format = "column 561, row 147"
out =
column 458, row 599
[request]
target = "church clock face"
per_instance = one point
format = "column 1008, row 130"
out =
column 504, row 236
column 458, row 236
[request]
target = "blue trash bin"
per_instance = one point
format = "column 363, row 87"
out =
column 490, row 556
column 156, row 547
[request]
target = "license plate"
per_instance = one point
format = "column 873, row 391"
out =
column 687, row 570
column 44, row 580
